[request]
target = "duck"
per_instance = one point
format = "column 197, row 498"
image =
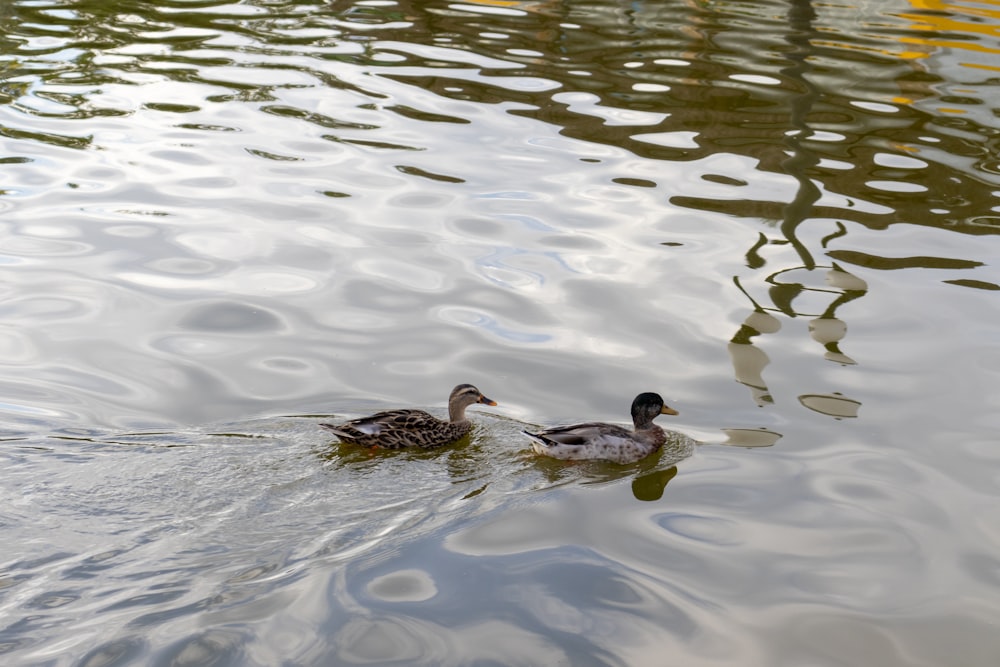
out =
column 399, row 429
column 608, row 442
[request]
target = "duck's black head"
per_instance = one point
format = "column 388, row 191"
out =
column 648, row 406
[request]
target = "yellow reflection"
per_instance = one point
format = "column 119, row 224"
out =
column 938, row 17
column 523, row 5
column 991, row 68
column 495, row 3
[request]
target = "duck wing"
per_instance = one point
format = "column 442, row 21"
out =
column 582, row 435
column 396, row 429
column 383, row 422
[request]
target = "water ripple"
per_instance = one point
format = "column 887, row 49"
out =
column 777, row 212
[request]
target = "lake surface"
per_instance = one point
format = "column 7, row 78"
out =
column 224, row 222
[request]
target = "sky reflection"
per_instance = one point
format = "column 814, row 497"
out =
column 782, row 216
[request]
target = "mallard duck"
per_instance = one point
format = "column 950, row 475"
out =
column 396, row 429
column 610, row 442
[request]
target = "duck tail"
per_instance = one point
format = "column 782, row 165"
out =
column 336, row 429
column 537, row 437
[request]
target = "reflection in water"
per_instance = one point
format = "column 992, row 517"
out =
column 251, row 504
column 834, row 404
column 749, row 361
column 827, row 329
column 214, row 209
column 750, row 437
column 810, row 133
column 649, row 475
column 650, row 486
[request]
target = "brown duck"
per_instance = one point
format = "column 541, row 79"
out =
column 397, row 429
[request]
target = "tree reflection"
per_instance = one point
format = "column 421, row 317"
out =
column 799, row 92
column 749, row 361
column 825, row 328
column 788, row 91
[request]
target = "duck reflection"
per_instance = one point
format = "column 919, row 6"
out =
column 649, row 475
column 473, row 466
column 650, row 486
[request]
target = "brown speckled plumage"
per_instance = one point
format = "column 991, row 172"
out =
column 609, row 442
column 397, row 429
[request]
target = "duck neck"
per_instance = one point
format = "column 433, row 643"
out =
column 641, row 424
column 456, row 411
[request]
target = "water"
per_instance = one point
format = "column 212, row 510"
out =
column 225, row 222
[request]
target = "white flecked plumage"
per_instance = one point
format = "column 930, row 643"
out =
column 608, row 442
